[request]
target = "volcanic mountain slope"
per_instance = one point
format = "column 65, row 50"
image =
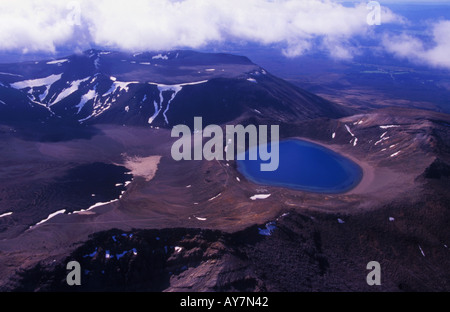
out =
column 196, row 225
column 157, row 89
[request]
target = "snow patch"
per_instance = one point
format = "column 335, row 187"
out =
column 6, row 214
column 47, row 81
column 71, row 89
column 97, row 63
column 160, row 56
column 212, row 198
column 164, row 88
column 52, row 215
column 94, row 206
column 349, row 131
column 9, row 74
column 421, row 251
column 180, row 84
column 57, row 62
column 118, row 86
column 389, row 126
column 85, row 98
column 175, row 89
column 381, row 140
column 157, row 110
column 395, row 154
column 260, row 196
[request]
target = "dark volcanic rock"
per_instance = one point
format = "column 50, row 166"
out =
column 150, row 260
column 437, row 170
column 304, row 252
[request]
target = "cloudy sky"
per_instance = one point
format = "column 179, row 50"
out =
column 296, row 26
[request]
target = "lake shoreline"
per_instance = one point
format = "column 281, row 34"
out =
column 302, row 170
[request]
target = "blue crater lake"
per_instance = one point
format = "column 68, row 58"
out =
column 305, row 166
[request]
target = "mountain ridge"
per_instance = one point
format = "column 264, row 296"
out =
column 141, row 88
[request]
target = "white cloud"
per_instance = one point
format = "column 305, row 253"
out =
column 33, row 25
column 136, row 25
column 416, row 50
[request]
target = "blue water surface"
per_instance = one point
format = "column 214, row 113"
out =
column 305, row 166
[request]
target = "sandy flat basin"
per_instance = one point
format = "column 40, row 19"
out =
column 144, row 167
